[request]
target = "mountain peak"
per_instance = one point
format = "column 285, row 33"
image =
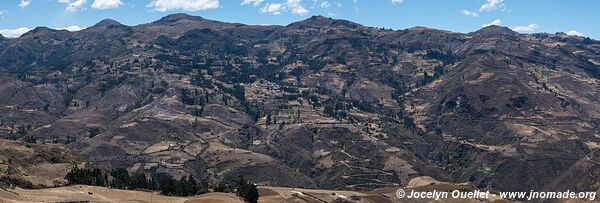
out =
column 41, row 31
column 319, row 17
column 495, row 30
column 322, row 21
column 107, row 23
column 178, row 17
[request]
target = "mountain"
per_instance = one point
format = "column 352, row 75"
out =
column 320, row 103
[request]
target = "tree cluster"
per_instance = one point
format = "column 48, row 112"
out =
column 121, row 179
column 247, row 190
column 167, row 185
column 82, row 176
column 446, row 57
column 186, row 186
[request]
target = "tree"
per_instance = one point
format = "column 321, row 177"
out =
column 191, row 187
column 187, row 98
column 247, row 190
column 239, row 92
column 222, row 187
column 138, row 181
column 198, row 79
column 166, row 185
column 587, row 40
column 86, row 177
column 120, row 178
column 329, row 110
column 269, row 119
column 185, row 186
column 198, row 111
column 181, row 187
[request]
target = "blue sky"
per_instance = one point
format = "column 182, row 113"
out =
column 577, row 17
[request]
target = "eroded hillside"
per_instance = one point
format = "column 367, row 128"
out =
column 320, row 103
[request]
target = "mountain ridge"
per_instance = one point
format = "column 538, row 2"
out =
column 173, row 18
column 320, row 103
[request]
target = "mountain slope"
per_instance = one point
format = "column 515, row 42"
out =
column 321, row 103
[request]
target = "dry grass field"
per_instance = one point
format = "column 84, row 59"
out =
column 267, row 195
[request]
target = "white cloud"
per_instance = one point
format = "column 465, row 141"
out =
column 526, row 28
column 24, row 3
column 491, row 5
column 330, row 14
column 72, row 28
column 106, row 4
column 293, row 6
column 73, row 5
column 397, row 1
column 296, row 7
column 325, row 4
column 575, row 33
column 274, row 9
column 253, row 2
column 470, row 13
column 186, row 5
column 14, row 33
column 497, row 22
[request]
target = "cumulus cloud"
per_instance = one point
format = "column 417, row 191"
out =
column 575, row 33
column 186, row 5
column 76, row 5
column 24, row 3
column 253, row 2
column 14, row 33
column 274, row 9
column 296, row 7
column 72, row 28
column 73, row 5
column 397, row 1
column 497, row 22
column 526, row 28
column 470, row 13
column 106, row 4
column 491, row 5
column 325, row 4
column 293, row 6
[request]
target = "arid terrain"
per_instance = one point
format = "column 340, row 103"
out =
column 320, row 104
column 267, row 195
